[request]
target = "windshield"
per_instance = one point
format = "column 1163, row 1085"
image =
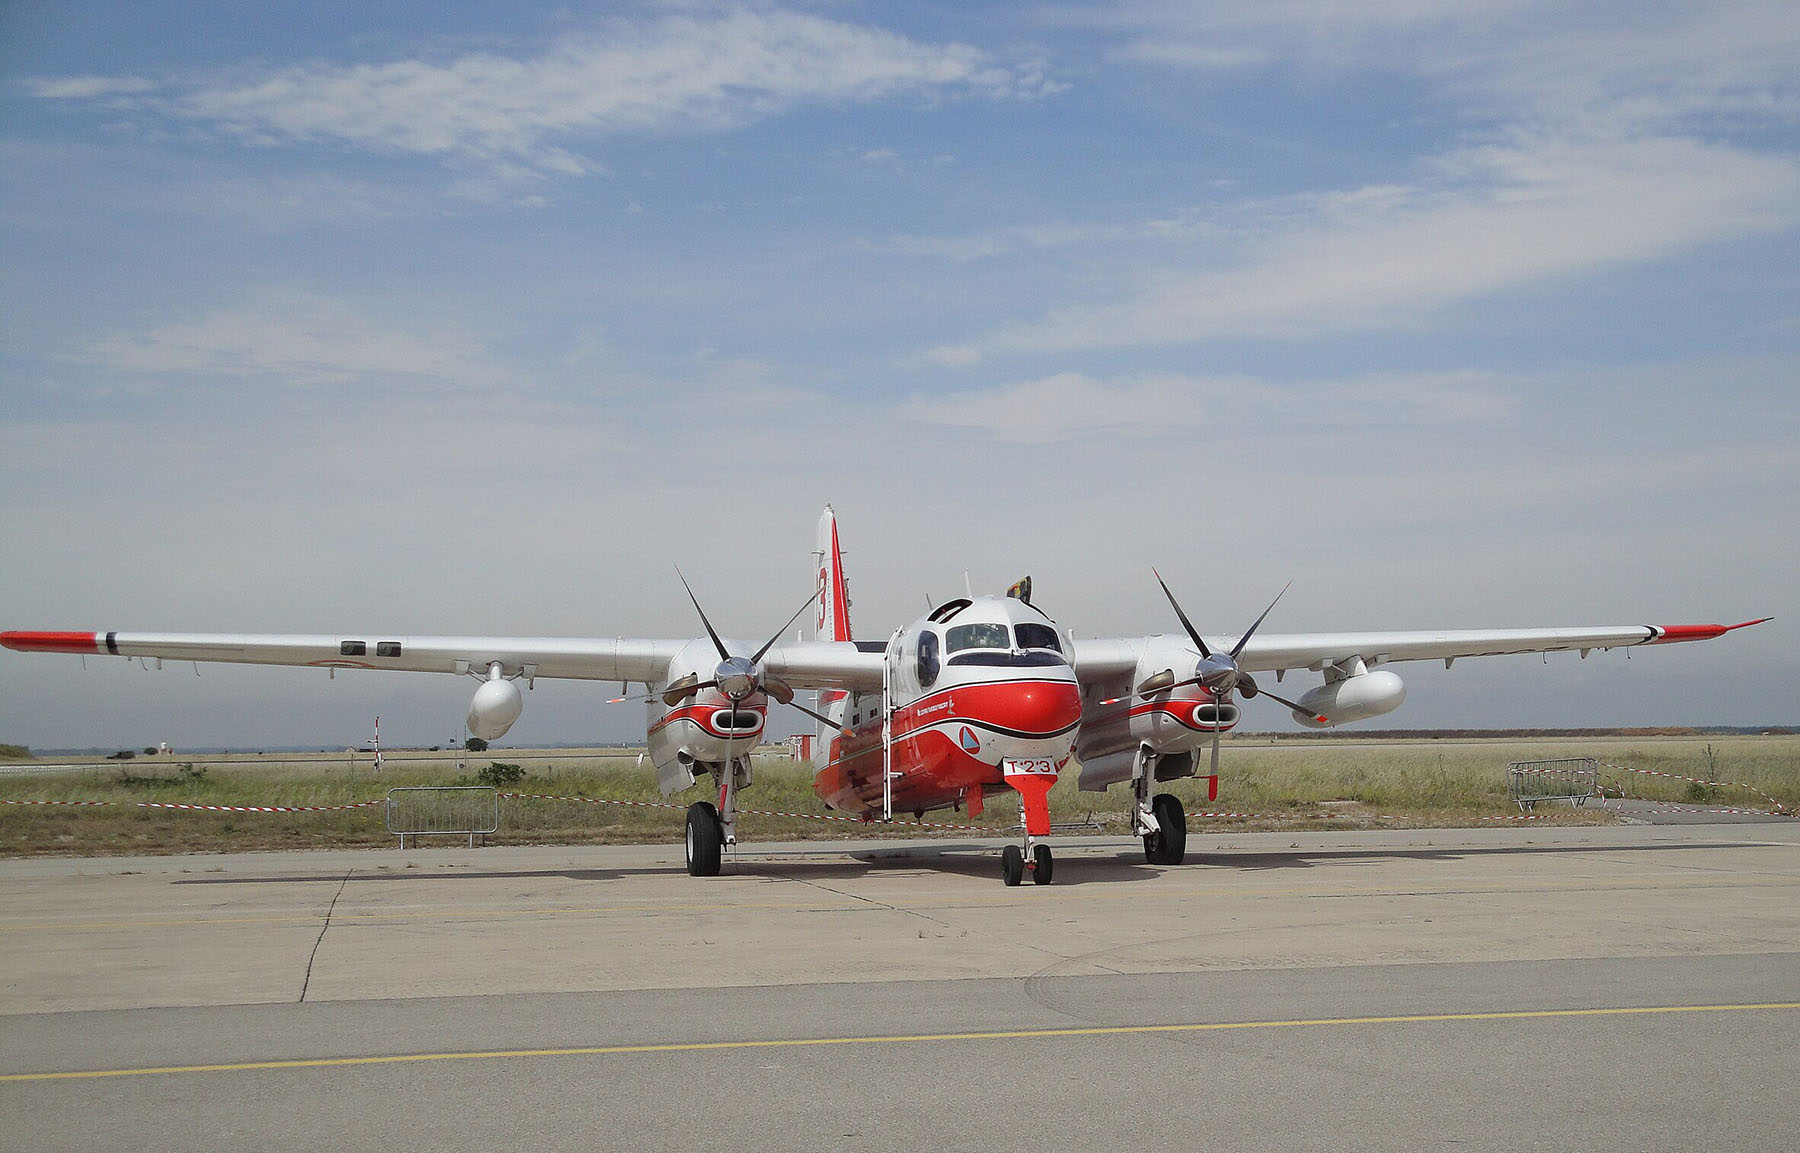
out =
column 983, row 636
column 1037, row 637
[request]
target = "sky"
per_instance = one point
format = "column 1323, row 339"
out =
column 476, row 319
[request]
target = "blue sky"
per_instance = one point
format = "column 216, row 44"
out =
column 462, row 319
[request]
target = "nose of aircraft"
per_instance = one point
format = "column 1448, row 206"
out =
column 1035, row 708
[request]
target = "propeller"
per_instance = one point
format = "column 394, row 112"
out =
column 740, row 677
column 1218, row 672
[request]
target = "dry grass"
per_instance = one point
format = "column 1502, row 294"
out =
column 1283, row 783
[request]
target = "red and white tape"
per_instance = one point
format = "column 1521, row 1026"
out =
column 1776, row 806
column 214, row 808
column 4, row 802
column 261, row 808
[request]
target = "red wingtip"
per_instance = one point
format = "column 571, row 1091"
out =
column 1671, row 634
column 45, row 642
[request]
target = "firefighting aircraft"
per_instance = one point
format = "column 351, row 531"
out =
column 980, row 695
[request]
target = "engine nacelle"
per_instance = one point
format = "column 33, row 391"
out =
column 496, row 706
column 1354, row 698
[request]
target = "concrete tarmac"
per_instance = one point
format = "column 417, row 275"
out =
column 1517, row 987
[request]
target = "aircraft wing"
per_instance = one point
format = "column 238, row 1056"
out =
column 804, row 665
column 1106, row 659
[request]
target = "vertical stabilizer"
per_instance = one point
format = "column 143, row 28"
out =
column 834, row 594
column 833, row 625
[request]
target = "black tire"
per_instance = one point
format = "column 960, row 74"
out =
column 705, row 839
column 1168, row 845
column 1041, row 865
column 1012, row 865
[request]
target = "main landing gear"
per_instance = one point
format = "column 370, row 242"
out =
column 1160, row 820
column 1013, row 867
column 1167, row 843
column 705, row 839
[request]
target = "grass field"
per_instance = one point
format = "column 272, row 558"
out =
column 1281, row 782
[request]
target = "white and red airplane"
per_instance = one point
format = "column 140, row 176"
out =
column 979, row 695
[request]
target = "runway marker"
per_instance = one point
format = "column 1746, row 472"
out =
column 815, row 1042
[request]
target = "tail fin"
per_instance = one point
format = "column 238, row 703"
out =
column 833, row 625
column 834, row 592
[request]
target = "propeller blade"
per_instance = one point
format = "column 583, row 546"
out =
column 1179, row 685
column 1237, row 650
column 810, row 601
column 680, row 692
column 1161, row 682
column 1215, row 753
column 1185, row 623
column 820, row 717
column 1292, row 705
column 717, row 643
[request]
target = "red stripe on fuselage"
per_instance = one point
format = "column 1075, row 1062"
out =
column 933, row 769
column 1031, row 709
column 42, row 642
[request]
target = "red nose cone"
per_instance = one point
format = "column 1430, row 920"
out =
column 1036, row 708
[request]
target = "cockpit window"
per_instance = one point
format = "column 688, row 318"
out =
column 1037, row 637
column 927, row 668
column 982, row 636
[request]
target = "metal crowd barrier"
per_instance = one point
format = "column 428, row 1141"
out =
column 1570, row 780
column 451, row 811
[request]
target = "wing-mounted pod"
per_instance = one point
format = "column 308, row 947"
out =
column 497, row 702
column 1351, row 692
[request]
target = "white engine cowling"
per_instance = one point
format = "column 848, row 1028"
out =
column 1354, row 698
column 496, row 706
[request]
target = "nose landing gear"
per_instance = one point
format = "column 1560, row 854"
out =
column 1032, row 779
column 1013, row 865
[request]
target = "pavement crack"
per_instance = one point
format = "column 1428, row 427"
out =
column 306, row 981
column 872, row 901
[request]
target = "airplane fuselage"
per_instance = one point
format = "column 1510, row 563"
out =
column 977, row 692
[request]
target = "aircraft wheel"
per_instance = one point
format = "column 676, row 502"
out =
column 1042, row 865
column 705, row 839
column 1168, row 845
column 1012, row 865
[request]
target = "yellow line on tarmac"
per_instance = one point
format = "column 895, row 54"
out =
column 812, row 1042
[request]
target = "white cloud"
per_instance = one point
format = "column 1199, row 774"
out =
column 982, row 245
column 1490, row 219
column 1071, row 406
column 1555, row 61
column 88, row 87
column 682, row 71
column 300, row 340
column 1593, row 137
